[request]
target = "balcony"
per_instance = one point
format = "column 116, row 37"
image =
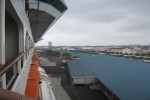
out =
column 15, row 69
column 43, row 14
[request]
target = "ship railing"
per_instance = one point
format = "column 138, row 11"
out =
column 12, row 68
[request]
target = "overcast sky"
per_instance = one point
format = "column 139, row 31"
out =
column 101, row 22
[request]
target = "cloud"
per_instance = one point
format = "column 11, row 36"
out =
column 102, row 22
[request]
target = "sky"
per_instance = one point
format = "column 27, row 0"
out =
column 101, row 22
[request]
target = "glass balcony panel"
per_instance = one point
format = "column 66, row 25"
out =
column 22, row 62
column 11, row 75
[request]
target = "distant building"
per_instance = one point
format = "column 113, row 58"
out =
column 146, row 49
column 115, row 50
column 87, row 48
column 129, row 51
column 71, row 49
column 124, row 50
column 50, row 45
column 101, row 49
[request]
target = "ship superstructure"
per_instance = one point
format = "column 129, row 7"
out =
column 23, row 23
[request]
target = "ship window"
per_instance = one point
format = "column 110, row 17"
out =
column 11, row 37
column 59, row 5
column 0, row 84
column 11, row 76
column 21, row 62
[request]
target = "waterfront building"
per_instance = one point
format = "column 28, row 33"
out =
column 119, row 78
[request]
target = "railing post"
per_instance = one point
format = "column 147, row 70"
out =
column 2, row 32
column 24, row 58
column 19, row 66
column 22, row 62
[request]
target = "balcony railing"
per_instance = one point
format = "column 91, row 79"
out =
column 13, row 68
column 58, row 4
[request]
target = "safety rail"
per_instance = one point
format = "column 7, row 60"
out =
column 13, row 67
column 8, row 65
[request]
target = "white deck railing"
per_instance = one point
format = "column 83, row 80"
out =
column 10, row 71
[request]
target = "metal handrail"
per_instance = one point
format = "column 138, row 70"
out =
column 1, row 66
column 8, row 65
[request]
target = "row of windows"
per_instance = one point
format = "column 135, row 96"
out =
column 58, row 4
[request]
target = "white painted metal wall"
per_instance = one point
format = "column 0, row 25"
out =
column 83, row 80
